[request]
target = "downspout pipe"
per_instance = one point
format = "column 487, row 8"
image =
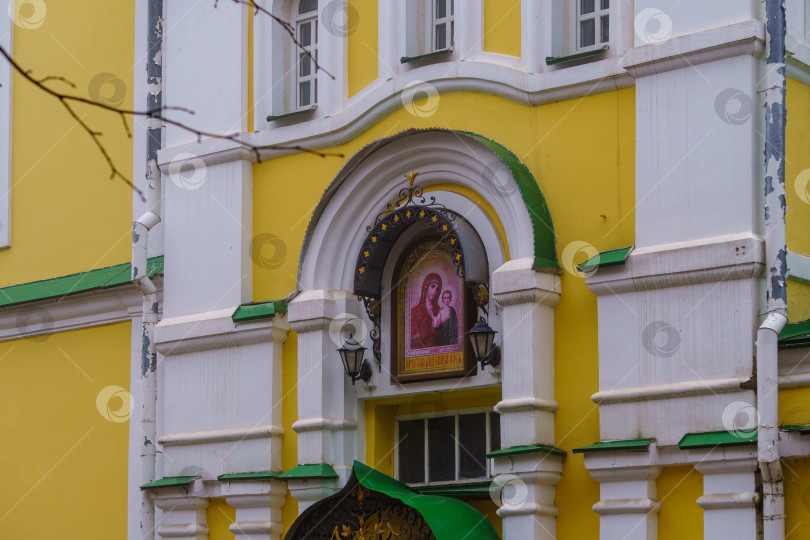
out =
column 140, row 272
column 773, row 509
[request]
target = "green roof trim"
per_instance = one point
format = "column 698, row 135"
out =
column 445, row 516
column 716, row 438
column 100, row 278
column 613, row 257
column 428, row 56
column 293, row 114
column 528, row 449
column 248, row 476
column 803, row 429
column 545, row 253
column 553, row 60
column 258, row 310
column 170, row 481
column 795, row 335
column 611, row 446
column 468, row 490
column 302, row 472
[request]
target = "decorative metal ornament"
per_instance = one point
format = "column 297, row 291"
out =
column 373, row 310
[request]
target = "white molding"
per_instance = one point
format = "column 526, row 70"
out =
column 798, row 267
column 666, row 391
column 72, row 312
column 221, row 435
column 706, row 260
column 6, row 101
column 744, row 38
column 324, row 424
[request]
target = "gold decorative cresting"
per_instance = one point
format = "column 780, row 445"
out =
column 411, row 176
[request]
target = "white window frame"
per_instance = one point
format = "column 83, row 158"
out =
column 299, row 20
column 597, row 14
column 449, row 20
column 440, row 414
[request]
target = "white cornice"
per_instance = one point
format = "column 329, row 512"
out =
column 744, row 38
column 666, row 391
column 83, row 310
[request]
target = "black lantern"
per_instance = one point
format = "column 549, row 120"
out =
column 483, row 338
column 352, row 355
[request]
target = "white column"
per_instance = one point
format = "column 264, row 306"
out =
column 258, row 509
column 469, row 39
column 627, row 507
column 527, row 500
column 729, row 499
column 332, row 56
column 327, row 424
column 527, row 299
column 183, row 514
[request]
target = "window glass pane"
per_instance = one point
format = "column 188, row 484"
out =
column 441, row 9
column 306, row 64
column 605, row 29
column 452, row 7
column 441, row 37
column 412, row 451
column 307, row 5
column 452, row 33
column 305, row 34
column 586, row 33
column 494, row 431
column 587, row 6
column 472, row 440
column 605, row 4
column 315, row 83
column 303, row 92
column 441, row 449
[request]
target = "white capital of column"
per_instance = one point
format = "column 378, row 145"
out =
column 183, row 515
column 729, row 498
column 258, row 509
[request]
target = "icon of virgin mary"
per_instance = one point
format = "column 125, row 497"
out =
column 423, row 333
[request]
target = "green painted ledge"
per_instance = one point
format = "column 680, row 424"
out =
column 803, row 429
column 553, row 60
column 469, row 490
column 613, row 257
column 248, row 476
column 610, row 446
column 293, row 114
column 302, row 472
column 795, row 335
column 100, row 278
column 170, row 481
column 435, row 54
column 715, row 438
column 529, row 449
column 259, row 310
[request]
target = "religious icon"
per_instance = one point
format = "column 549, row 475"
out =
column 430, row 311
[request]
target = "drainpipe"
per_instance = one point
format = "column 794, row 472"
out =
column 773, row 508
column 140, row 273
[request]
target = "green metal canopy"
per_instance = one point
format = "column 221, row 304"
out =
column 373, row 501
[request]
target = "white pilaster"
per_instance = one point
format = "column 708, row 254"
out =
column 627, row 507
column 729, row 498
column 183, row 514
column 527, row 298
column 258, row 509
column 328, row 414
column 527, row 498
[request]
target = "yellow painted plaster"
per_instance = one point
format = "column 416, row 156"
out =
column 797, row 168
column 797, row 498
column 502, row 26
column 65, row 448
column 680, row 516
column 62, row 194
column 220, row 515
column 362, row 30
column 794, row 406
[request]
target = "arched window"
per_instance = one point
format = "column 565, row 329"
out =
column 306, row 32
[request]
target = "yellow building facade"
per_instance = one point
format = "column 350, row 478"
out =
column 600, row 166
